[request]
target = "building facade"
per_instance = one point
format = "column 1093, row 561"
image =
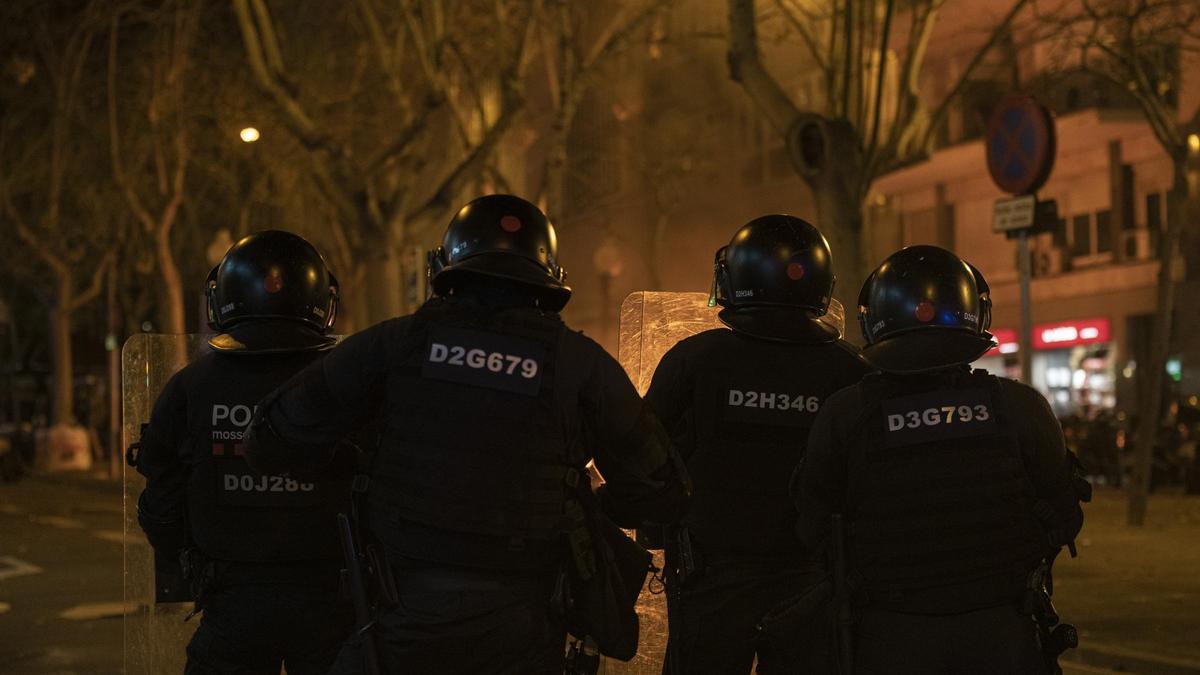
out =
column 714, row 164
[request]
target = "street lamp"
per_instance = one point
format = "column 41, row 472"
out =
column 1194, row 143
column 248, row 135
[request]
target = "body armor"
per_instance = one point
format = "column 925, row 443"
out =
column 444, row 490
column 754, row 402
column 941, row 507
column 235, row 514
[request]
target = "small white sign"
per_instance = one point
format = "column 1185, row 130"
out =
column 1013, row 214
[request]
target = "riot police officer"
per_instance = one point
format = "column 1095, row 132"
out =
column 738, row 403
column 490, row 409
column 260, row 551
column 955, row 485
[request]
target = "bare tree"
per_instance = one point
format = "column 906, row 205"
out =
column 155, row 189
column 1139, row 45
column 42, row 208
column 421, row 74
column 866, row 114
column 575, row 59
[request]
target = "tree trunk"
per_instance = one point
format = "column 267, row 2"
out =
column 383, row 285
column 352, row 305
column 63, row 374
column 840, row 219
column 172, row 314
column 1150, row 375
column 113, row 344
column 827, row 154
column 555, row 183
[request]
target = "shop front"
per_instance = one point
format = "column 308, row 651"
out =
column 1074, row 363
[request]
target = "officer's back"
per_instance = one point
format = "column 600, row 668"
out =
column 738, row 402
column 956, row 484
column 488, row 409
column 259, row 550
column 747, row 403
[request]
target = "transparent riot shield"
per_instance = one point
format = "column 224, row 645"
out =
column 155, row 632
column 651, row 323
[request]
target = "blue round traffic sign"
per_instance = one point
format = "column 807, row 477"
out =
column 1020, row 144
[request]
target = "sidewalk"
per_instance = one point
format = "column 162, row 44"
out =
column 1134, row 593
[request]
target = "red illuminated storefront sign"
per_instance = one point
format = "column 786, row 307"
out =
column 1054, row 335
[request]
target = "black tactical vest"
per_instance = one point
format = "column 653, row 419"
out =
column 473, row 468
column 940, row 504
column 754, row 405
column 235, row 514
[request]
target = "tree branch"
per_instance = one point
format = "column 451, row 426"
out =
column 810, row 43
column 745, row 67
column 421, row 218
column 114, row 144
column 94, row 288
column 939, row 114
column 270, row 42
column 880, row 78
column 294, row 115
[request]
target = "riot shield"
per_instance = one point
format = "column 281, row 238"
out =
column 155, row 632
column 651, row 323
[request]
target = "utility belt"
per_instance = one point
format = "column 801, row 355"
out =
column 687, row 559
column 205, row 576
column 312, row 574
column 406, row 578
column 412, row 540
column 965, row 597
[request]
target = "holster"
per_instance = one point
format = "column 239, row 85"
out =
column 686, row 560
column 1053, row 636
column 199, row 573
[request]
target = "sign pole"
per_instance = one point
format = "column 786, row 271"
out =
column 1025, row 339
column 1020, row 149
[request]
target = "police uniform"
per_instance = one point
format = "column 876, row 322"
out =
column 738, row 403
column 261, row 548
column 956, row 484
column 489, row 408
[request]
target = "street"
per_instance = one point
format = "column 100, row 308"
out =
column 1134, row 594
column 60, row 576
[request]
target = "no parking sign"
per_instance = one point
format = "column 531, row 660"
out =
column 1020, row 144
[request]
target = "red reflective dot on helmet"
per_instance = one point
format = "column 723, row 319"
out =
column 795, row 271
column 924, row 312
column 510, row 223
column 274, row 281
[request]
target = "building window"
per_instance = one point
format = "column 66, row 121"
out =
column 1154, row 211
column 1104, row 234
column 1154, row 219
column 1081, row 235
column 1059, row 235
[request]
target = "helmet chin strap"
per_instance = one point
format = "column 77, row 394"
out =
column 210, row 299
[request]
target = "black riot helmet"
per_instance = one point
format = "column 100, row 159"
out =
column 504, row 237
column 271, row 275
column 775, row 280
column 924, row 309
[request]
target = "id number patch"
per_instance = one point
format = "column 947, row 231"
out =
column 483, row 359
column 938, row 415
column 770, row 408
column 237, row 486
